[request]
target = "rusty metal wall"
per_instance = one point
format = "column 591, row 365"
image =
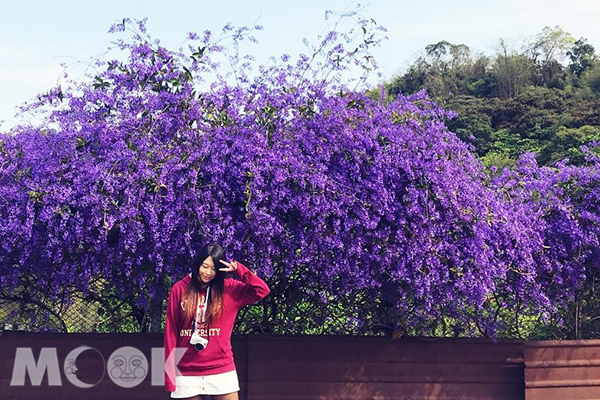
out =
column 562, row 370
column 310, row 368
column 334, row 367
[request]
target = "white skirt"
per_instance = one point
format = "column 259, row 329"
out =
column 190, row 386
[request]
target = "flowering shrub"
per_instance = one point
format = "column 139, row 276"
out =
column 334, row 198
column 564, row 204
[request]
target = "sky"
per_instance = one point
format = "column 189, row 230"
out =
column 36, row 36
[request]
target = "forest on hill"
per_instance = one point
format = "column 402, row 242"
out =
column 543, row 97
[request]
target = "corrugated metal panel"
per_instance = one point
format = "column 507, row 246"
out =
column 318, row 368
column 562, row 370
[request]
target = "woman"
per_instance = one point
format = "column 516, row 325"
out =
column 201, row 311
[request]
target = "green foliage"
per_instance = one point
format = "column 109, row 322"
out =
column 511, row 144
column 591, row 79
column 498, row 160
column 512, row 73
column 514, row 101
column 582, row 56
column 551, row 44
column 567, row 142
column 446, row 70
column 473, row 123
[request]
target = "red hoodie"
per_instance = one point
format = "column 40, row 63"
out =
column 217, row 357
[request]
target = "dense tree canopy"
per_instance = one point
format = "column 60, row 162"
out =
column 549, row 85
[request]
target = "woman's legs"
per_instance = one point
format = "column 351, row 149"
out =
column 228, row 396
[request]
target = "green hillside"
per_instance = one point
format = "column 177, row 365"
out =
column 543, row 97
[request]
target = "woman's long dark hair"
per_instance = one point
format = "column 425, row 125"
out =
column 192, row 294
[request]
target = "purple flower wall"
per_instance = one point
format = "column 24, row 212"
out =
column 331, row 196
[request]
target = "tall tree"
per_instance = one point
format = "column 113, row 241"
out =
column 582, row 56
column 551, row 44
column 511, row 70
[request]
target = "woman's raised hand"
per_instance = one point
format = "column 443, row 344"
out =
column 232, row 266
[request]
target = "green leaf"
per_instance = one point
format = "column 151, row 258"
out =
column 81, row 143
column 188, row 74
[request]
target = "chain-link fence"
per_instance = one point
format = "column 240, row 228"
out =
column 81, row 316
column 75, row 312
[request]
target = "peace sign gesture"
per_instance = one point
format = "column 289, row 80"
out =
column 232, row 266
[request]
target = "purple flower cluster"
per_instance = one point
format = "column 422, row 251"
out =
column 562, row 208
